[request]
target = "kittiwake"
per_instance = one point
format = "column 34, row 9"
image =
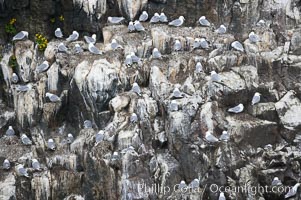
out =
column 177, row 22
column 91, row 39
column 256, row 98
column 203, row 21
column 53, row 97
column 25, row 140
column 143, row 17
column 73, row 37
column 237, row 109
column 94, row 49
column 10, row 131
column 210, row 138
column 58, row 33
column 42, row 67
column 20, row 36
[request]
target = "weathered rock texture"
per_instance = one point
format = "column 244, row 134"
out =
column 164, row 146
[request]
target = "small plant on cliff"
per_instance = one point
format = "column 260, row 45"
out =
column 41, row 41
column 13, row 62
column 52, row 20
column 10, row 27
column 61, row 18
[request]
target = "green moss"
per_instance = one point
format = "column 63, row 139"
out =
column 13, row 62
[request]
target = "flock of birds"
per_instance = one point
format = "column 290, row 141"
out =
column 136, row 26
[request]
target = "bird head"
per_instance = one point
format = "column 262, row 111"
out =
column 115, row 153
column 203, row 40
column 6, row 161
column 257, row 94
column 34, row 160
column 25, row 33
column 131, row 23
column 213, row 72
column 162, row 14
column 224, row 132
column 182, row 182
column 222, row 26
column 156, row 14
column 94, row 36
column 203, row 17
column 181, row 18
column 48, row 94
column 77, row 45
column 70, row 135
column 46, row 62
column 50, row 140
column 23, row 136
column 144, row 12
column 109, row 18
column 10, row 127
column 114, row 41
column 101, row 132
column 155, row 50
column 208, row 133
column 276, row 179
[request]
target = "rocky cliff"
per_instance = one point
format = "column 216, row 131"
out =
column 147, row 159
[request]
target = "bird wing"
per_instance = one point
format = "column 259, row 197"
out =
column 19, row 36
column 143, row 17
column 155, row 19
column 176, row 22
column 94, row 50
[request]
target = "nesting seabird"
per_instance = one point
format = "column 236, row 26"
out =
column 163, row 18
column 138, row 26
column 78, row 48
column 256, row 98
column 128, row 60
column 143, row 17
column 133, row 118
column 136, row 88
column 62, row 48
column 174, row 105
column 10, row 131
column 70, row 138
column 51, row 145
column 87, row 124
column 156, row 53
column 155, row 18
column 99, row 136
column 115, row 45
column 91, row 39
column 23, row 88
column 225, row 136
column 42, row 67
column 131, row 26
column 58, row 33
column 6, row 164
column 73, row 37
column 214, row 77
column 25, row 140
column 94, row 49
column 237, row 46
column 210, row 138
column 203, row 43
column 222, row 29
column 21, row 170
column 53, row 97
column 177, row 45
column 276, row 182
column 254, row 38
column 237, row 109
column 35, row 164
column 20, row 36
column 195, row 183
column 115, row 20
column 182, row 185
column 14, row 78
column 203, row 21
column 198, row 67
column 222, row 196
column 292, row 191
column 177, row 22
column 176, row 93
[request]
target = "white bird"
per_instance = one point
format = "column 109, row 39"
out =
column 156, row 53
column 14, row 78
column 174, row 105
column 42, row 67
column 155, row 18
column 222, row 196
column 73, row 37
column 196, row 43
column 138, row 26
column 237, row 46
column 62, row 48
column 6, row 164
column 276, row 182
column 99, row 136
column 53, row 97
column 225, row 136
column 78, row 48
column 70, row 138
column 23, row 88
column 143, row 17
column 131, row 26
column 20, row 36
column 204, row 44
column 87, row 124
column 94, row 49
column 136, row 88
column 237, row 109
column 135, row 59
column 10, row 131
column 115, row 156
column 254, row 38
column 293, row 191
column 176, row 93
column 182, row 185
column 215, row 77
column 35, row 164
column 115, row 20
column 177, row 22
column 198, row 67
column 177, row 45
column 51, row 145
column 163, row 18
column 25, row 140
column 210, row 138
column 203, row 21
column 256, row 98
column 133, row 118
column 260, row 23
column 21, row 170
column 91, row 39
column 58, row 33
column 115, row 45
column 221, row 30
column 128, row 60
column 195, row 183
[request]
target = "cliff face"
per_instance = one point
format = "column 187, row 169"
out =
column 164, row 146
